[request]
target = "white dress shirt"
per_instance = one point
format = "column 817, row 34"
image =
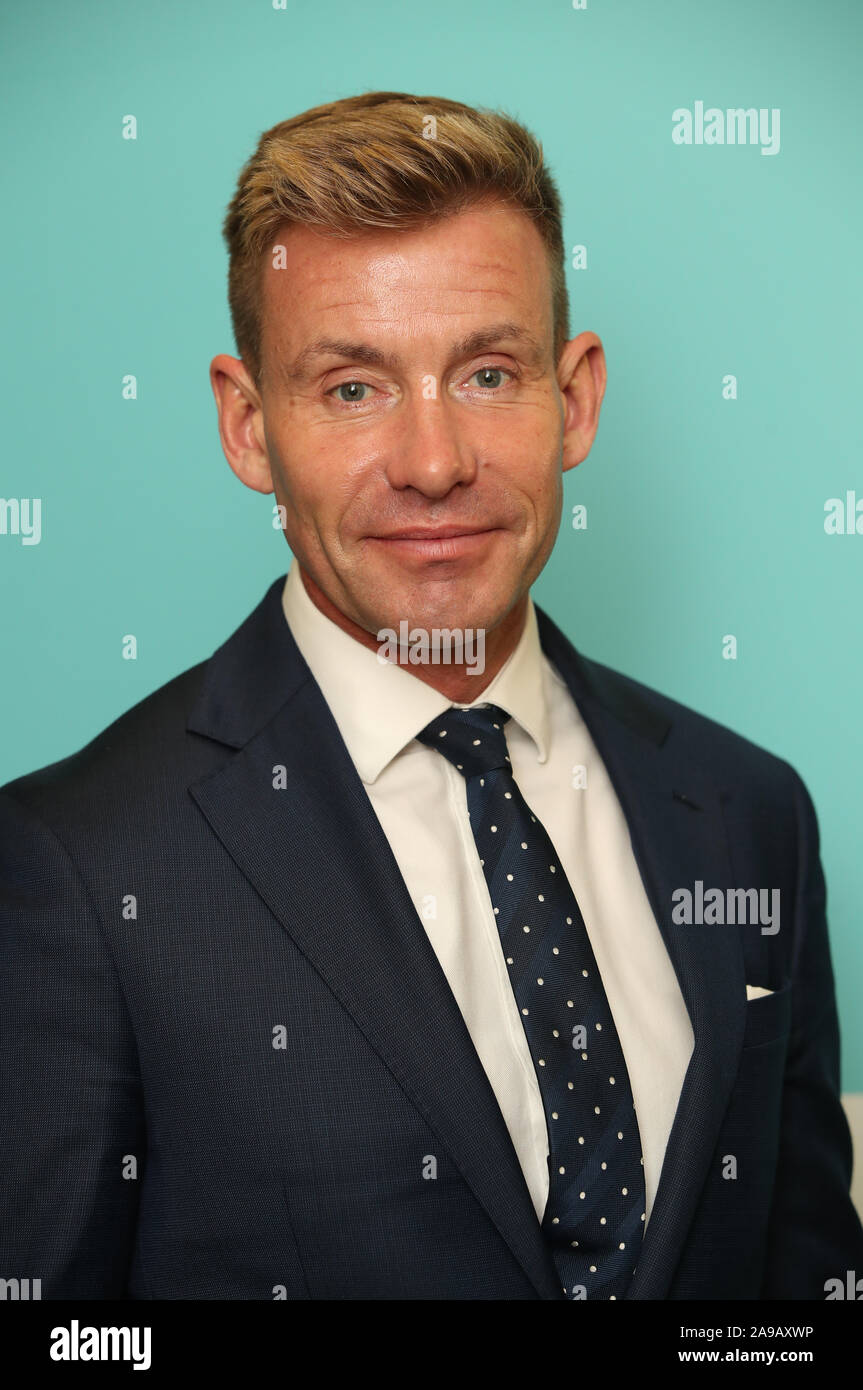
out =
column 420, row 800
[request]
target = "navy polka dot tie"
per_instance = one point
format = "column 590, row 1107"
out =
column 594, row 1215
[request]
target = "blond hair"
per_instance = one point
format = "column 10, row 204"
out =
column 368, row 161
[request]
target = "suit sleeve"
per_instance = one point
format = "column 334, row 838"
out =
column 814, row 1231
column 70, row 1094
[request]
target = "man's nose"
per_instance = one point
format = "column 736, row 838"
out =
column 430, row 450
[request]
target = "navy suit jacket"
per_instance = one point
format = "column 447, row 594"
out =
column 229, row 1051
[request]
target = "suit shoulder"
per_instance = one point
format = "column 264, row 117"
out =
column 721, row 750
column 142, row 746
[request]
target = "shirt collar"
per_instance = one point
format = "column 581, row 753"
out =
column 379, row 707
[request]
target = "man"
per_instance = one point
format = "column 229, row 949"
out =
column 338, row 969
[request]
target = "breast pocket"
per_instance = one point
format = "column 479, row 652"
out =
column 768, row 1018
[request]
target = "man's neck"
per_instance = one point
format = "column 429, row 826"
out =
column 460, row 682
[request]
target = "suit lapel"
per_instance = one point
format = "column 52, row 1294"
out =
column 674, row 813
column 315, row 852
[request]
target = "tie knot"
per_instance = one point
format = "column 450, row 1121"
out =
column 472, row 739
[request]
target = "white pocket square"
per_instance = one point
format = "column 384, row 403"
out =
column 756, row 991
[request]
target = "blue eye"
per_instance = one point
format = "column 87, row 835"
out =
column 490, row 372
column 352, row 386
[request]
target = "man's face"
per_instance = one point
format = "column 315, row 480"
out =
column 412, row 417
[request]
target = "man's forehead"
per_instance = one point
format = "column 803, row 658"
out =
column 462, row 252
column 337, row 295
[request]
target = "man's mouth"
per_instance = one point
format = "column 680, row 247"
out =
column 436, row 542
column 431, row 533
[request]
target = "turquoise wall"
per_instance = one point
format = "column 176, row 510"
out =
column 705, row 514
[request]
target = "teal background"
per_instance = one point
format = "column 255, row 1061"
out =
column 705, row 516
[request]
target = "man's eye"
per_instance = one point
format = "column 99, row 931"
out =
column 352, row 388
column 490, row 376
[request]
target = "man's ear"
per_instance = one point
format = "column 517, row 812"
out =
column 581, row 377
column 241, row 428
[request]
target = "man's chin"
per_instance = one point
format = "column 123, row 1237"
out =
column 466, row 611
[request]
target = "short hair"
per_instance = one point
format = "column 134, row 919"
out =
column 367, row 161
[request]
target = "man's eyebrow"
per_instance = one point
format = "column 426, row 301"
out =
column 301, row 367
column 479, row 341
column 485, row 338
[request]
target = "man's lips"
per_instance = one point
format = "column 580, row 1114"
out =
column 432, row 533
column 436, row 542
